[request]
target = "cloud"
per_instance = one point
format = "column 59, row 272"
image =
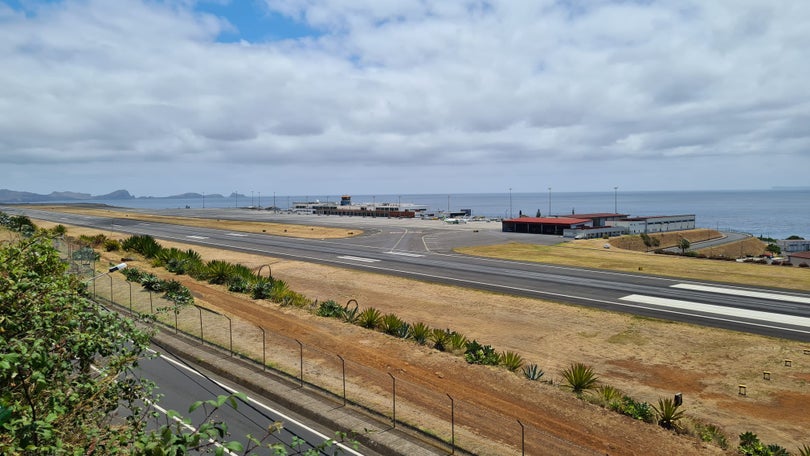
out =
column 459, row 84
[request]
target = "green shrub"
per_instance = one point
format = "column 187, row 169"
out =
column 440, row 338
column 667, row 413
column 712, row 433
column 391, row 324
column 804, row 450
column 420, row 333
column 533, row 372
column 369, row 318
column 457, row 342
column 637, row 410
column 238, row 285
column 511, row 360
column 580, row 378
column 330, row 308
column 481, row 354
column 112, row 245
column 608, row 396
column 350, row 315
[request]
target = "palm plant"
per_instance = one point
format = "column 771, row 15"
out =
column 440, row 338
column 218, row 272
column 279, row 289
column 369, row 318
column 420, row 333
column 390, row 324
column 580, row 377
column 667, row 413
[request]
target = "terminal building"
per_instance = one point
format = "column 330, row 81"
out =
column 599, row 225
column 347, row 208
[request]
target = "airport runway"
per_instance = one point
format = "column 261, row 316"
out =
column 423, row 250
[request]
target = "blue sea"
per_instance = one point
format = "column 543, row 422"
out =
column 777, row 213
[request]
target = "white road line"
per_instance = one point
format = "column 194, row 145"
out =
column 196, row 237
column 408, row 254
column 720, row 310
column 284, row 418
column 364, row 260
column 237, row 234
column 741, row 292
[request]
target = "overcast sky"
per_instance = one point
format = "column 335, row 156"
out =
column 394, row 96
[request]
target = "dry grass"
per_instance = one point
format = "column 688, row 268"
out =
column 277, row 229
column 591, row 254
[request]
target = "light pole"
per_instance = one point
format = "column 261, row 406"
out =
column 203, row 200
column 510, row 202
column 549, row 202
column 236, row 198
column 251, row 198
column 260, row 200
column 615, row 200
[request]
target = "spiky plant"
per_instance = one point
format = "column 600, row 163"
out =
column 804, row 450
column 350, row 314
column 390, row 324
column 609, row 396
column 667, row 413
column 440, row 338
column 457, row 342
column 580, row 377
column 369, row 318
column 329, row 308
column 218, row 272
column 261, row 289
column 420, row 333
column 533, row 372
column 279, row 290
column 511, row 360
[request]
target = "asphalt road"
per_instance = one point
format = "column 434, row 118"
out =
column 423, row 250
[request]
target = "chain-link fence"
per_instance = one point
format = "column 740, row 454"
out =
column 460, row 422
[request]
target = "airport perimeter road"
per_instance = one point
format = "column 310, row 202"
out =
column 763, row 311
column 180, row 383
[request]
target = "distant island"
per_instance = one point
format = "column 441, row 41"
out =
column 12, row 196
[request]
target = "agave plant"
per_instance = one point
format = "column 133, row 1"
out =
column 369, row 318
column 609, row 395
column 457, row 342
column 440, row 338
column 350, row 315
column 262, row 288
column 390, row 324
column 580, row 377
column 804, row 450
column 533, row 372
column 420, row 333
column 667, row 413
column 279, row 289
column 511, row 360
column 218, row 272
column 329, row 308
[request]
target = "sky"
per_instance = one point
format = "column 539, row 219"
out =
column 161, row 97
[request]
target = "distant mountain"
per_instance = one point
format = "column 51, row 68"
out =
column 193, row 195
column 12, row 196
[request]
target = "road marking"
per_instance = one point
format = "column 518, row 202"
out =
column 197, row 237
column 739, row 292
column 354, row 258
column 284, row 418
column 237, row 234
column 408, row 254
column 720, row 310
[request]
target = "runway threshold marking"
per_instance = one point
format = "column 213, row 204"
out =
column 719, row 310
column 354, row 258
column 739, row 292
column 237, row 234
column 407, row 254
column 197, row 237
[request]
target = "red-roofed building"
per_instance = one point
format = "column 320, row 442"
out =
column 798, row 258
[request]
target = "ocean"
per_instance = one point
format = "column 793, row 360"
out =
column 777, row 213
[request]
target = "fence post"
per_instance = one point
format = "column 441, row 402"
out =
column 343, row 368
column 112, row 301
column 301, row 360
column 264, row 350
column 452, row 425
column 202, row 340
column 522, row 438
column 230, row 331
column 394, row 380
column 130, row 298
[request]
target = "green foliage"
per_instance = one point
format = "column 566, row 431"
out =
column 580, row 377
column 262, row 288
column 609, row 396
column 481, row 354
column 750, row 445
column 804, row 450
column 795, row 238
column 391, row 324
column 369, row 318
column 667, row 413
column 684, row 245
column 330, row 308
column 457, row 342
column 142, row 244
column 112, row 245
column 511, row 360
column 632, row 408
column 712, row 433
column 533, row 372
column 420, row 333
column 52, row 402
column 59, row 230
column 773, row 248
column 350, row 314
column 440, row 338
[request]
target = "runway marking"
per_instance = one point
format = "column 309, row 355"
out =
column 354, row 258
column 237, row 234
column 720, row 310
column 738, row 292
column 197, row 237
column 415, row 255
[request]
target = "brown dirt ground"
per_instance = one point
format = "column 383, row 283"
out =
column 645, row 358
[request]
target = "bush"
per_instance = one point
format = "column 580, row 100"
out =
column 112, row 245
column 440, row 338
column 532, row 372
column 391, row 324
column 608, row 396
column 369, row 318
column 420, row 333
column 637, row 410
column 511, row 360
column 580, row 377
column 481, row 354
column 667, row 413
column 330, row 309
column 457, row 342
